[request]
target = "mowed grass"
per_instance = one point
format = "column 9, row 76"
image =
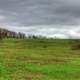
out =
column 39, row 59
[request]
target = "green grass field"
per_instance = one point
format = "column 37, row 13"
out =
column 39, row 59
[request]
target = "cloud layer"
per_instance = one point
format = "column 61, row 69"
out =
column 47, row 13
column 48, row 31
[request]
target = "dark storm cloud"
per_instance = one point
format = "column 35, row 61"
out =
column 64, row 13
column 40, row 12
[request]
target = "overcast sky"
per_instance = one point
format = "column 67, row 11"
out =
column 42, row 17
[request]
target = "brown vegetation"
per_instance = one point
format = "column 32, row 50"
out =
column 76, row 47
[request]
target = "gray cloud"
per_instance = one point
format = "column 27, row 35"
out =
column 40, row 12
column 49, row 31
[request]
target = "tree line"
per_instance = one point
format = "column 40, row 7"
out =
column 4, row 33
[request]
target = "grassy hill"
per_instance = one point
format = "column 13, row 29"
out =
column 38, row 59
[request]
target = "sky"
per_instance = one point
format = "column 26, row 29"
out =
column 50, row 18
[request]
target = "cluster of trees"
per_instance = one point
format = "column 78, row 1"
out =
column 37, row 37
column 10, row 34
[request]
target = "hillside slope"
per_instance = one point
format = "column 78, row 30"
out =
column 38, row 59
